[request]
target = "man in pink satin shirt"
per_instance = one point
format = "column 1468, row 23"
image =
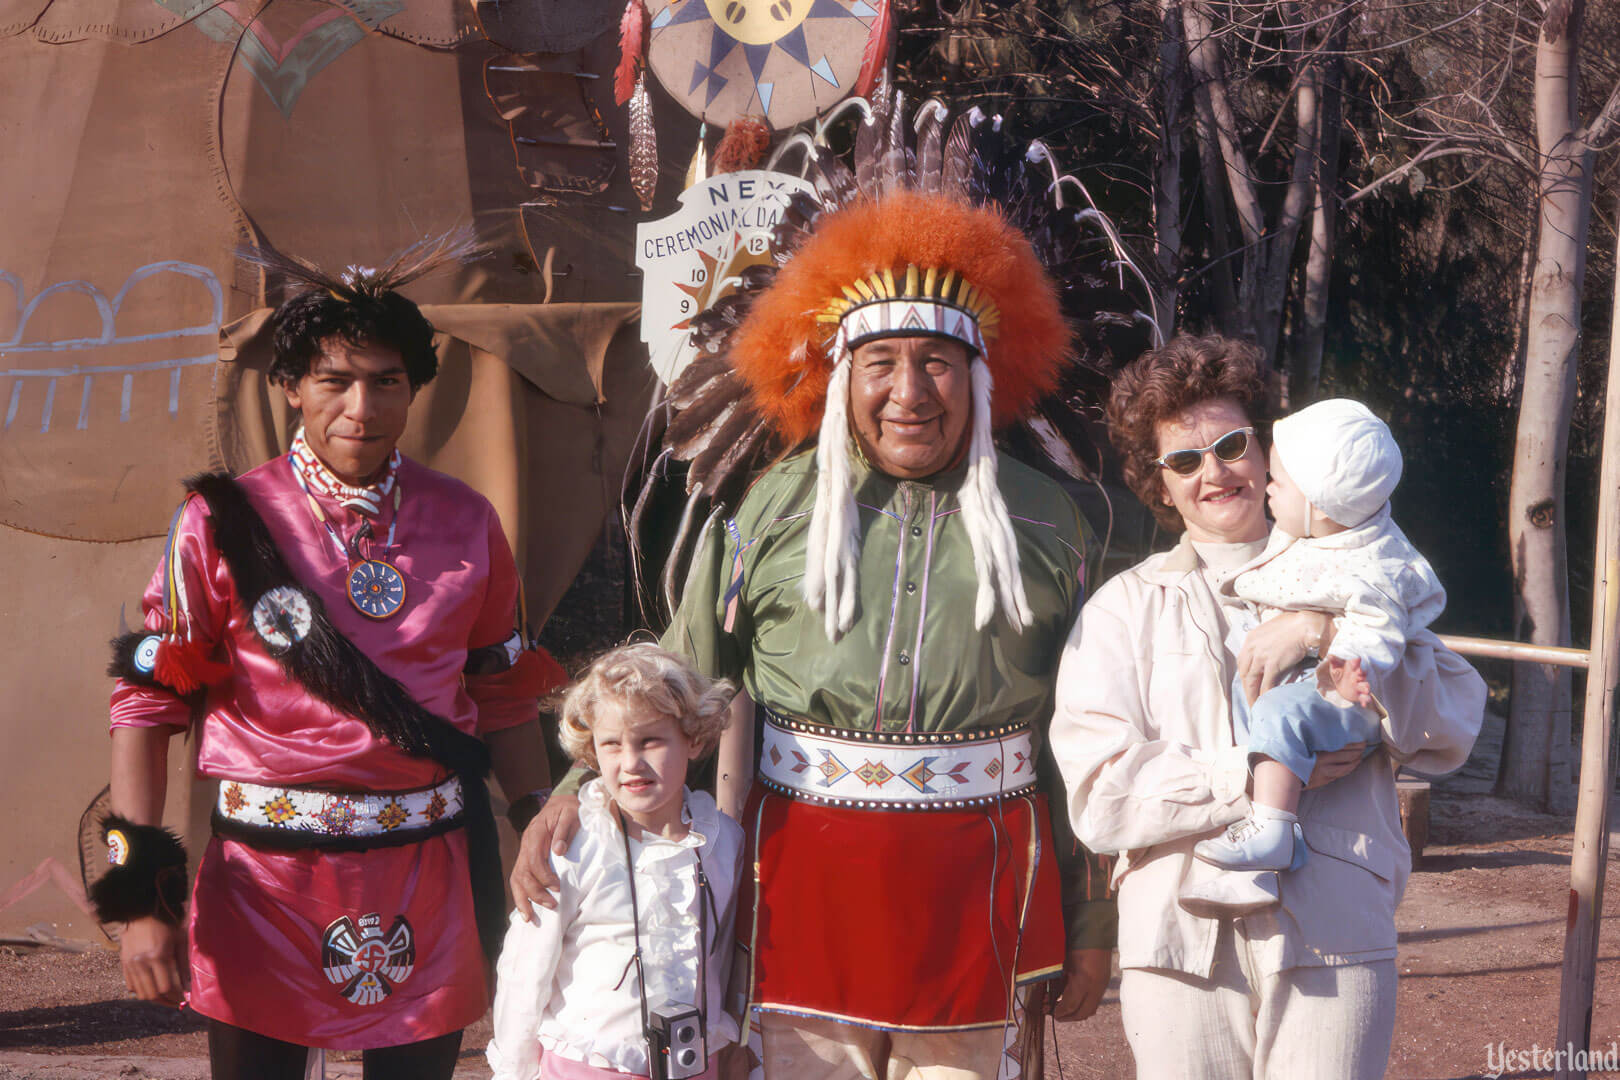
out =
column 344, row 623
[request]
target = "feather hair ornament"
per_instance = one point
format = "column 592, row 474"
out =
column 950, row 221
column 643, row 145
column 632, row 50
column 357, row 283
column 879, row 43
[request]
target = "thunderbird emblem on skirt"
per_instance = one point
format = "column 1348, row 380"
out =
column 363, row 963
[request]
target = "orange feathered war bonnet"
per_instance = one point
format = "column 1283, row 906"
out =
column 905, row 245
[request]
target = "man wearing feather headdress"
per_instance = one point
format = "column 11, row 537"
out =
column 894, row 599
column 347, row 625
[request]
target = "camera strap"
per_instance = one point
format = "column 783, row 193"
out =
column 705, row 907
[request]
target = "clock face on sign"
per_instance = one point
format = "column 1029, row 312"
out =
column 785, row 60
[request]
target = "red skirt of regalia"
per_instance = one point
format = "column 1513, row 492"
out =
column 914, row 919
column 338, row 949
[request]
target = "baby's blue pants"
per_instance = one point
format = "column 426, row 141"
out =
column 1293, row 723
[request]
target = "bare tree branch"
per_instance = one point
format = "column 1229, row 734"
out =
column 1597, row 131
column 1429, row 153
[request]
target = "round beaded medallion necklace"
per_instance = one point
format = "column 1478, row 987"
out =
column 376, row 588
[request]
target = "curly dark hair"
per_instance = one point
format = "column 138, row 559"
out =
column 388, row 320
column 1164, row 383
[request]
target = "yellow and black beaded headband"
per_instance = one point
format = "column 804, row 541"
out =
column 925, row 302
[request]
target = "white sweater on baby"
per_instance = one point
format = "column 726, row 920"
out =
column 1380, row 588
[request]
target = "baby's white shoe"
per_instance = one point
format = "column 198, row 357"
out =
column 1265, row 840
column 1211, row 893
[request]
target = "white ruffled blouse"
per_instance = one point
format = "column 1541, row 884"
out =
column 565, row 981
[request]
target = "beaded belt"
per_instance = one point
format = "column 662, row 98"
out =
column 304, row 814
column 874, row 770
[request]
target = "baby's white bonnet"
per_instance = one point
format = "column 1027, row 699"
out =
column 1342, row 457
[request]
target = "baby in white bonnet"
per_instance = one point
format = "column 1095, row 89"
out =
column 1334, row 549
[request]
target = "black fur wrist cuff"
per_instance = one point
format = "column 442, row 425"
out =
column 147, row 876
column 134, row 656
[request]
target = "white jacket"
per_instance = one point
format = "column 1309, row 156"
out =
column 1380, row 588
column 1143, row 736
column 559, row 978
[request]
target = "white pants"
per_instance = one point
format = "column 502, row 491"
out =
column 1307, row 1023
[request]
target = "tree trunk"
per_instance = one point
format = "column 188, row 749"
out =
column 1513, row 370
column 1305, row 375
column 1268, row 253
column 1536, row 751
column 1167, row 166
column 1225, row 169
column 1268, row 272
column 1216, row 121
column 1307, row 367
column 1221, row 254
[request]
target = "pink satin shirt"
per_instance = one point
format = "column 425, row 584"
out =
column 260, row 918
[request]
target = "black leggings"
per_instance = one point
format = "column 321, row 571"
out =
column 238, row 1054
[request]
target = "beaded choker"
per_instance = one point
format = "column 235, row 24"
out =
column 375, row 586
column 313, row 475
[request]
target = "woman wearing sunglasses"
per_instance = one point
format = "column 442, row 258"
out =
column 1304, row 988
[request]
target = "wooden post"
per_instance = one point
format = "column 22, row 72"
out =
column 1412, row 795
column 1591, row 855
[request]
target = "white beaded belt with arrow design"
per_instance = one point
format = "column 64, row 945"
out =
column 337, row 813
column 942, row 770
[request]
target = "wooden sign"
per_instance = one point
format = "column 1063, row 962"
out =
column 691, row 258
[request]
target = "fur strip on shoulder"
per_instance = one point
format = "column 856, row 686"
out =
column 325, row 662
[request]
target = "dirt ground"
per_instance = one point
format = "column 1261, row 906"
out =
column 1481, row 934
column 1481, row 945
